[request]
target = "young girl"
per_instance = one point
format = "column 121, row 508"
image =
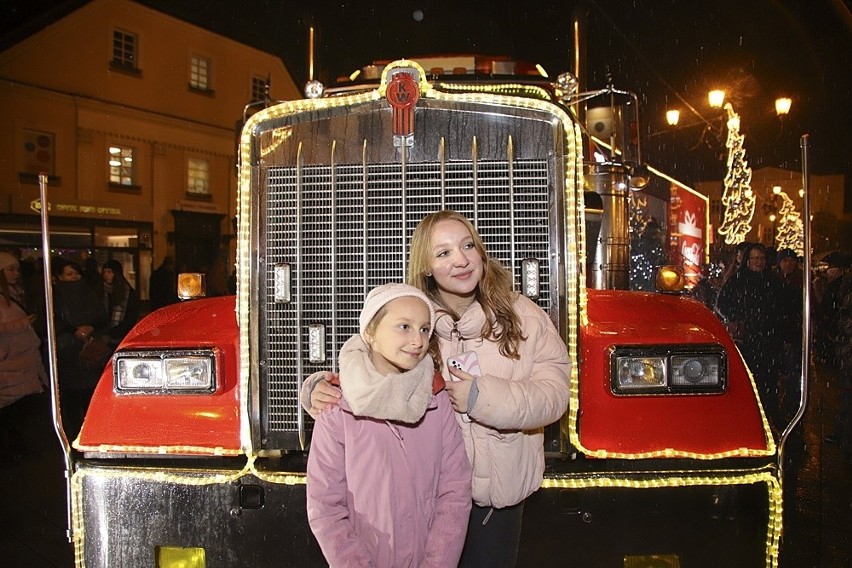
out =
column 388, row 477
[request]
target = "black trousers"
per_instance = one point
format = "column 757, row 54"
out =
column 493, row 537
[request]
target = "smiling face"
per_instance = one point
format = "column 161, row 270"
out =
column 398, row 335
column 756, row 259
column 457, row 266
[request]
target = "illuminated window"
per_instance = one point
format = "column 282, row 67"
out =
column 124, row 47
column 198, row 177
column 121, row 170
column 258, row 89
column 199, row 73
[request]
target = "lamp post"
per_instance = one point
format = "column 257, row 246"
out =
column 738, row 198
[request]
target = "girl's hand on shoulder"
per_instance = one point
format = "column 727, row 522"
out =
column 458, row 388
column 325, row 395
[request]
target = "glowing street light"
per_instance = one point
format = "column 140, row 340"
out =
column 782, row 106
column 672, row 117
column 716, row 98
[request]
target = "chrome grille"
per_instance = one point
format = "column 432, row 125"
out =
column 345, row 229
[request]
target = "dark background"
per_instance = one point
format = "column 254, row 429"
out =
column 670, row 52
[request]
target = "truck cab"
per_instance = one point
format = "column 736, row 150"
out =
column 195, row 445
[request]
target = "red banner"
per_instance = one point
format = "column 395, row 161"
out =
column 688, row 231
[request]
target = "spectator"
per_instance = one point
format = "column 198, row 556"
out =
column 89, row 265
column 21, row 370
column 77, row 313
column 790, row 305
column 120, row 301
column 217, row 279
column 750, row 301
column 164, row 284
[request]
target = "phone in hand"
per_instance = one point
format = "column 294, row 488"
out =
column 467, row 362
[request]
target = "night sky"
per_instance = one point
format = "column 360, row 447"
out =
column 670, row 52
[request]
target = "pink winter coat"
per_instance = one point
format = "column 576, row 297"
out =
column 385, row 493
column 516, row 398
column 21, row 371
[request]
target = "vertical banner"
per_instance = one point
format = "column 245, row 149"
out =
column 688, row 231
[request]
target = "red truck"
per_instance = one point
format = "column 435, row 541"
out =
column 194, row 448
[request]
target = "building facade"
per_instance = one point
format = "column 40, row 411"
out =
column 134, row 117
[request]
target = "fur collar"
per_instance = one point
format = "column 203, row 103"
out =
column 402, row 397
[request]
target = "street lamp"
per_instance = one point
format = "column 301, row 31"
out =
column 782, row 106
column 672, row 117
column 716, row 98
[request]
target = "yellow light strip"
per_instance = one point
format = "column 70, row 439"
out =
column 575, row 262
column 499, row 89
column 672, row 453
column 648, row 480
column 159, row 450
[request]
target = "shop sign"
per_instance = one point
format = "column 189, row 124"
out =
column 59, row 208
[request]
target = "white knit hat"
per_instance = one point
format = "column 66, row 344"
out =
column 8, row 259
column 381, row 295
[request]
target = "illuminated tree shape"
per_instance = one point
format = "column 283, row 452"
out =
column 738, row 198
column 791, row 230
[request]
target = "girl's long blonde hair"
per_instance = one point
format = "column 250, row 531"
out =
column 494, row 292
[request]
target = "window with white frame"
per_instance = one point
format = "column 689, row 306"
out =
column 198, row 177
column 199, row 73
column 121, row 170
column 258, row 88
column 124, row 49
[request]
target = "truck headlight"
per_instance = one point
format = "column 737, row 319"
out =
column 165, row 372
column 668, row 369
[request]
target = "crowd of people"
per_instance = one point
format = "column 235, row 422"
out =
column 758, row 295
column 94, row 307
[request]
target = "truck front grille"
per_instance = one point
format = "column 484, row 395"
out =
column 344, row 230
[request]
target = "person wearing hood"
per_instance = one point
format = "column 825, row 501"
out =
column 120, row 301
column 388, row 479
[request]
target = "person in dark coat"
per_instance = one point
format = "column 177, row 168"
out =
column 164, row 284
column 792, row 282
column 750, row 301
column 77, row 314
column 120, row 301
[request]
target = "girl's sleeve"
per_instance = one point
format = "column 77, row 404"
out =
column 452, row 505
column 328, row 513
column 308, row 385
column 533, row 401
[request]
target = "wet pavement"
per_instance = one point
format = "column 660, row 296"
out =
column 817, row 504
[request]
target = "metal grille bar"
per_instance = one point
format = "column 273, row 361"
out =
column 345, row 221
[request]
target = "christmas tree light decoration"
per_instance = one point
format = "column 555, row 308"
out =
column 791, row 230
column 738, row 197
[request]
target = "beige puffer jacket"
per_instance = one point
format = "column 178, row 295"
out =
column 517, row 398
